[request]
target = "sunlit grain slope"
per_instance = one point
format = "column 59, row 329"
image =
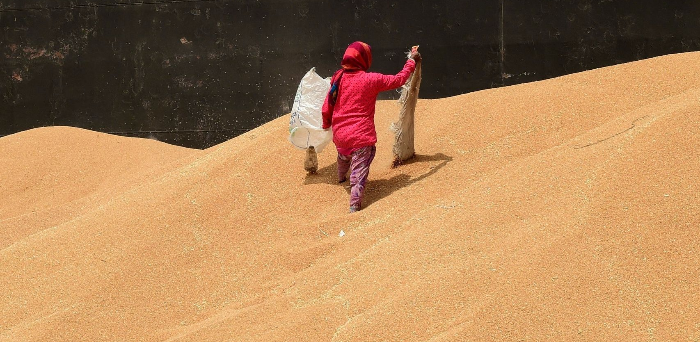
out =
column 559, row 210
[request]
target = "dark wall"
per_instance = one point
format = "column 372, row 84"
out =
column 196, row 73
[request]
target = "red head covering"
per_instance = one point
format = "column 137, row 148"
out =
column 358, row 56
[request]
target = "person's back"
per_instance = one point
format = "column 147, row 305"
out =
column 353, row 116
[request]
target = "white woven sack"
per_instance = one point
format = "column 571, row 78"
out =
column 306, row 122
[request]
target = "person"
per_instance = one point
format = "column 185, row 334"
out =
column 349, row 110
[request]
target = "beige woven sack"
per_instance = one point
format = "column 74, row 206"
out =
column 404, row 127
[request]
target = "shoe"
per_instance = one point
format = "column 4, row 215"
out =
column 354, row 209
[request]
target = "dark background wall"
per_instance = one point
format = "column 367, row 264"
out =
column 196, row 73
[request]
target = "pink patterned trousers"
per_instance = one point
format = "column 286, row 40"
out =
column 358, row 163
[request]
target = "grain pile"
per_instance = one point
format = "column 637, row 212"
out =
column 559, row 210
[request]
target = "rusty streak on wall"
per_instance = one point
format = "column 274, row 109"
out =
column 196, row 73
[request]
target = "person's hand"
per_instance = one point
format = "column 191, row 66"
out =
column 415, row 55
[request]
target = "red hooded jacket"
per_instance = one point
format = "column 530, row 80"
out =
column 352, row 117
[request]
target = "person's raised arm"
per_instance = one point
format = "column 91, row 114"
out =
column 388, row 82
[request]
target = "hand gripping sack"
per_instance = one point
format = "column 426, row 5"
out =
column 306, row 122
